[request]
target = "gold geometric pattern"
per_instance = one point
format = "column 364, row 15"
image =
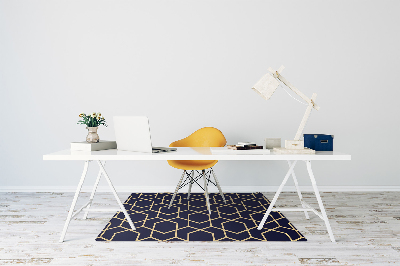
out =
column 188, row 220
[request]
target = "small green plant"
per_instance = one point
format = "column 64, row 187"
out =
column 93, row 120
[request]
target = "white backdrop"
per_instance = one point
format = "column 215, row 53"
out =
column 190, row 64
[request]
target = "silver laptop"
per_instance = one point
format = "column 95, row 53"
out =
column 133, row 134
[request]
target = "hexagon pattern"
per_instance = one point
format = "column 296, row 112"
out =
column 188, row 220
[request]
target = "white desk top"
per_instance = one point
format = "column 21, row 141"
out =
column 185, row 153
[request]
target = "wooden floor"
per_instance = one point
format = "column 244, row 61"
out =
column 366, row 226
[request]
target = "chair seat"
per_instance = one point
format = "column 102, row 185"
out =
column 192, row 164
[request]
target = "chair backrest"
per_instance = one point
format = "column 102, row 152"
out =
column 204, row 137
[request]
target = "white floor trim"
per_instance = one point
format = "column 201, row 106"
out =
column 212, row 189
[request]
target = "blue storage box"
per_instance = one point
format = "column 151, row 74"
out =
column 318, row 142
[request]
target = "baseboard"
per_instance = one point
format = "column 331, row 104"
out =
column 212, row 189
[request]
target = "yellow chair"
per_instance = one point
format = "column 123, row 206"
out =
column 204, row 137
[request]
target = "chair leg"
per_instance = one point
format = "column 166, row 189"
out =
column 190, row 183
column 177, row 188
column 206, row 191
column 218, row 186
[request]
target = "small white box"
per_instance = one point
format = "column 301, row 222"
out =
column 271, row 143
column 86, row 146
column 294, row 144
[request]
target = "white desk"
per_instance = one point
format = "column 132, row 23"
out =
column 194, row 154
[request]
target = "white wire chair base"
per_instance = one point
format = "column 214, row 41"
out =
column 190, row 179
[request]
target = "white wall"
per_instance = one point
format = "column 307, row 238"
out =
column 190, row 64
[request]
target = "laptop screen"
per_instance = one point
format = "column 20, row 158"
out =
column 132, row 133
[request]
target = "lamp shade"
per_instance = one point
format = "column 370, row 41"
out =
column 266, row 86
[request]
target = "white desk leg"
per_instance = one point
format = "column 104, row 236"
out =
column 298, row 191
column 71, row 210
column 260, row 226
column 128, row 218
column 93, row 192
column 321, row 205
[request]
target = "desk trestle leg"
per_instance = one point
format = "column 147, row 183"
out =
column 299, row 192
column 306, row 207
column 272, row 204
column 321, row 205
column 128, row 218
column 71, row 210
column 86, row 207
column 93, row 192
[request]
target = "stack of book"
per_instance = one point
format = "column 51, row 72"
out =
column 98, row 146
column 245, row 146
column 240, row 148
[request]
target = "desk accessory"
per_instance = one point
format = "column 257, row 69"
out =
column 241, row 146
column 244, row 144
column 227, row 151
column 271, row 143
column 92, row 123
column 244, row 147
column 319, row 142
column 98, row 146
column 266, row 86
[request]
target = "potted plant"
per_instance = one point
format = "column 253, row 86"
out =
column 92, row 123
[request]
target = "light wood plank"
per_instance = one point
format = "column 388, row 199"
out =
column 366, row 227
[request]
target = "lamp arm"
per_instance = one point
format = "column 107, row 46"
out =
column 293, row 88
column 311, row 102
column 305, row 117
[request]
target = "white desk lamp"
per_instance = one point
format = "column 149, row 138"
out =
column 266, row 86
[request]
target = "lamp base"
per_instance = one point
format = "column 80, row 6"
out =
column 293, row 151
column 294, row 144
